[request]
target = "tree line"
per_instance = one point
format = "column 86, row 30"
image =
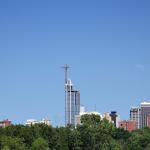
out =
column 92, row 134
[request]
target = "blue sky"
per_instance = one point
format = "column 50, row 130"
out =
column 106, row 44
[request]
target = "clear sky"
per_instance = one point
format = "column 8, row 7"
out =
column 105, row 42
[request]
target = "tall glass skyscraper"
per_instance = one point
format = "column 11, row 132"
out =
column 72, row 103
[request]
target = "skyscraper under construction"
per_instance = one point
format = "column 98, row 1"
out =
column 72, row 100
column 72, row 103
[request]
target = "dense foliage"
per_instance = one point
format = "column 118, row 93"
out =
column 93, row 134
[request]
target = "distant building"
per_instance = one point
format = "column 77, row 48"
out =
column 31, row 122
column 117, row 120
column 82, row 108
column 106, row 116
column 113, row 116
column 128, row 125
column 144, row 114
column 148, row 121
column 77, row 120
column 72, row 104
column 5, row 123
column 135, row 115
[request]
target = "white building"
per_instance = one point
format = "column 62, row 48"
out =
column 31, row 122
column 82, row 108
column 117, row 121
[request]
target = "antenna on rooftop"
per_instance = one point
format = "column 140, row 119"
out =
column 66, row 67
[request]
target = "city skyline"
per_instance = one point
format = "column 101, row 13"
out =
column 106, row 44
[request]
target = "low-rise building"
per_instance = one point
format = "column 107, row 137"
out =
column 128, row 125
column 106, row 116
column 31, row 122
column 112, row 117
column 5, row 123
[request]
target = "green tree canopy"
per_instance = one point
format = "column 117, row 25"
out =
column 12, row 143
column 90, row 120
column 92, row 134
column 40, row 144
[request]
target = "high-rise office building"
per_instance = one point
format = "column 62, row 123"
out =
column 144, row 114
column 72, row 103
column 135, row 116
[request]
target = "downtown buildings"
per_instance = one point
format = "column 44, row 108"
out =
column 141, row 115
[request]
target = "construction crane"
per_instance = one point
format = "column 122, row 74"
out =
column 66, row 67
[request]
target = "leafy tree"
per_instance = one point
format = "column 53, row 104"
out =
column 87, row 136
column 40, row 144
column 62, row 136
column 90, row 120
column 5, row 148
column 139, row 139
column 74, row 140
column 120, row 133
column 12, row 143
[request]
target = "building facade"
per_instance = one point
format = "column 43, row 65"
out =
column 5, row 123
column 128, row 125
column 113, row 116
column 72, row 103
column 106, row 116
column 135, row 115
column 144, row 114
column 31, row 122
column 82, row 108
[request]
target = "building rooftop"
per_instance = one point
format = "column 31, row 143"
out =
column 145, row 104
